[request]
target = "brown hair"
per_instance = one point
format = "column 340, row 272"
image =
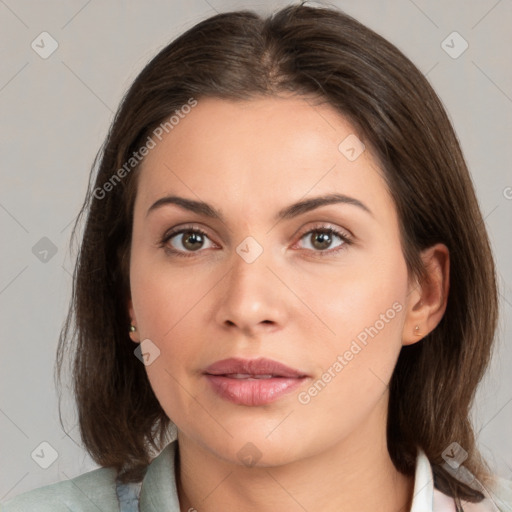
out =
column 322, row 53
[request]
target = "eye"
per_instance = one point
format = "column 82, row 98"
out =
column 185, row 240
column 322, row 237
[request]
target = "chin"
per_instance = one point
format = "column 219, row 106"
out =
column 253, row 447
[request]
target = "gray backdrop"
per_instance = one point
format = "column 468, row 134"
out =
column 56, row 108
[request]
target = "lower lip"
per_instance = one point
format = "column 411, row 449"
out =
column 253, row 392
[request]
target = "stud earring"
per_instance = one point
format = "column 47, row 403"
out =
column 132, row 328
column 416, row 329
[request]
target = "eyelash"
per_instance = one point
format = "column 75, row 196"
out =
column 327, row 229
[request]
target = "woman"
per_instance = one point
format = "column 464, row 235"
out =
column 284, row 261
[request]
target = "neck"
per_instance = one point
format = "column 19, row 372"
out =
column 353, row 475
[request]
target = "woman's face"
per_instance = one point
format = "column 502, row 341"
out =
column 264, row 280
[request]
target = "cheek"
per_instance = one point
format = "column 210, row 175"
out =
column 164, row 294
column 172, row 389
column 164, row 305
column 166, row 301
column 364, row 306
column 164, row 314
column 354, row 296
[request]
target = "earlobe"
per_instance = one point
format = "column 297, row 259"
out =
column 429, row 298
column 132, row 328
column 134, row 336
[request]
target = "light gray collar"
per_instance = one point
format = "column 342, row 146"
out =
column 158, row 491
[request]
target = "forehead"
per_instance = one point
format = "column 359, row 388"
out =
column 258, row 152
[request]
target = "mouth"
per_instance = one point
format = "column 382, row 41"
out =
column 253, row 382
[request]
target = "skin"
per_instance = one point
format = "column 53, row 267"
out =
column 249, row 160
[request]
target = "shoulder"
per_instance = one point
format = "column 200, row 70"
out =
column 499, row 495
column 97, row 491
column 92, row 491
column 498, row 498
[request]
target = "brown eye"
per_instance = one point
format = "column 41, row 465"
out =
column 185, row 241
column 321, row 240
column 192, row 240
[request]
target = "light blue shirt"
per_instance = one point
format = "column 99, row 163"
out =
column 98, row 490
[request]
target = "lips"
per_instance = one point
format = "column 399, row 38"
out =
column 252, row 382
column 252, row 367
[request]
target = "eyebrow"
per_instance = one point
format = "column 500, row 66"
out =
column 288, row 212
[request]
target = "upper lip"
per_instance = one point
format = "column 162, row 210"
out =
column 259, row 366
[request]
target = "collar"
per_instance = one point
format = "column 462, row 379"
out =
column 426, row 498
column 423, row 494
column 158, row 491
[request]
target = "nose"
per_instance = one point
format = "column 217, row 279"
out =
column 252, row 299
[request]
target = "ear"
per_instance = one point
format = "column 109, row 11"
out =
column 134, row 335
column 427, row 300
